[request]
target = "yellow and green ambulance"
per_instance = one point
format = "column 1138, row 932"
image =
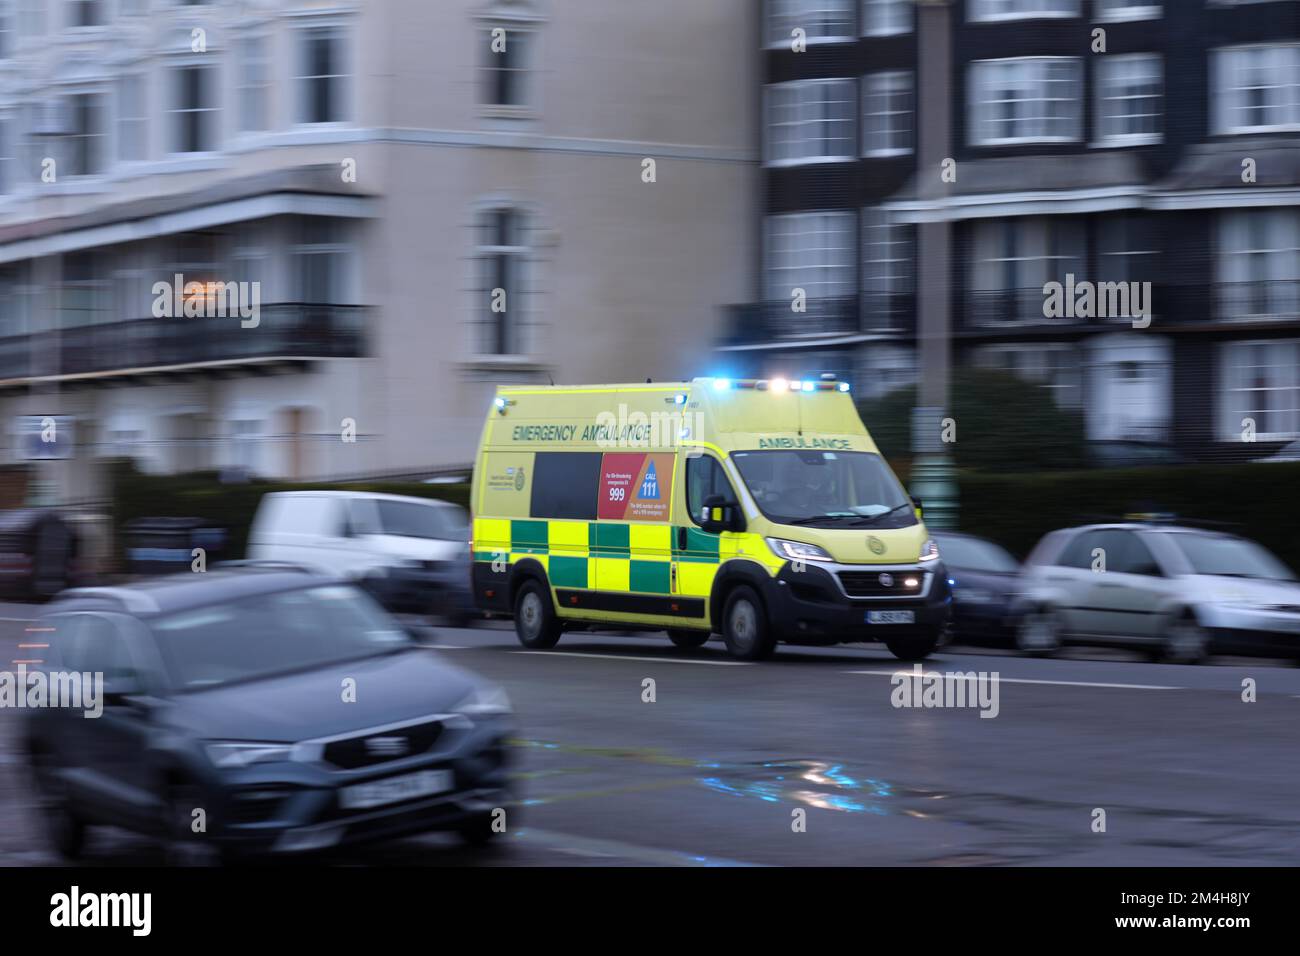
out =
column 760, row 510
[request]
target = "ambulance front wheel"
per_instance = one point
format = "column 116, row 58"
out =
column 745, row 627
column 916, row 648
column 536, row 625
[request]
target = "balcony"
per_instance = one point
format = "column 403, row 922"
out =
column 1259, row 301
column 286, row 332
column 774, row 324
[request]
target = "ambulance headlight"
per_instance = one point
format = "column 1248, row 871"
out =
column 797, row 550
column 929, row 551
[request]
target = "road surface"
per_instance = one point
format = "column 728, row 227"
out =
column 712, row 770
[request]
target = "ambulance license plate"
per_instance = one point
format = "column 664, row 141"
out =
column 891, row 617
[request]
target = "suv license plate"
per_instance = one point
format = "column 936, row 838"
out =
column 891, row 617
column 395, row 789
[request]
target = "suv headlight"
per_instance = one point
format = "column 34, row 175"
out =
column 797, row 550
column 485, row 701
column 929, row 551
column 230, row 755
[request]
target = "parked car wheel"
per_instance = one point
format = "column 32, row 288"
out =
column 67, row 831
column 1186, row 641
column 1039, row 632
column 536, row 625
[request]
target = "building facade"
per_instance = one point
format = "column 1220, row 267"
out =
column 1138, row 151
column 427, row 198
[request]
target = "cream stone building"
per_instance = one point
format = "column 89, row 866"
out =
column 381, row 173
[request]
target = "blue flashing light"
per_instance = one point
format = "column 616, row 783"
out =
column 808, row 386
column 844, row 386
column 680, row 398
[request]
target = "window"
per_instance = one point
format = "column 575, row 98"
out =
column 1129, row 99
column 1054, row 367
column 507, row 67
column 1127, row 10
column 31, row 18
column 85, row 292
column 886, row 114
column 888, row 265
column 886, row 17
column 132, row 124
column 1022, row 9
column 322, row 77
column 321, row 259
column 1261, row 382
column 193, row 114
column 1127, row 249
column 91, row 644
column 1011, row 261
column 1122, row 553
column 254, row 84
column 6, row 28
column 1256, row 88
column 813, row 251
column 502, row 256
column 6, row 154
column 705, row 477
column 1036, row 99
column 84, row 154
column 85, row 13
column 565, row 485
column 245, row 445
column 1259, row 264
column 819, row 19
column 810, row 121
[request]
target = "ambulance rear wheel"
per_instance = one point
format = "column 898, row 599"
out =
column 536, row 625
column 744, row 626
column 689, row 639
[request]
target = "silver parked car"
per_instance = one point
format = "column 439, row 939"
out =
column 1180, row 592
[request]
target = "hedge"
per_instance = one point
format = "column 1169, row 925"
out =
column 1256, row 500
column 231, row 506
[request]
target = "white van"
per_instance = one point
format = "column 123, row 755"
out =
column 410, row 553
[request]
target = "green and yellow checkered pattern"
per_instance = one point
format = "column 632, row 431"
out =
column 612, row 556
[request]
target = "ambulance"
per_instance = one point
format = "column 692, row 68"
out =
column 758, row 510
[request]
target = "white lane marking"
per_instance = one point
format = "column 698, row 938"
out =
column 448, row 647
column 624, row 657
column 1022, row 680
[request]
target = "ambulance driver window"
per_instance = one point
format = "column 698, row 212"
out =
column 565, row 484
column 704, row 477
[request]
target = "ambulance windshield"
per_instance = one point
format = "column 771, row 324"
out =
column 825, row 488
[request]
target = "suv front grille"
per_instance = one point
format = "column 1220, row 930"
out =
column 378, row 747
column 883, row 584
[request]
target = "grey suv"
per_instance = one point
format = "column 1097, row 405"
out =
column 1177, row 591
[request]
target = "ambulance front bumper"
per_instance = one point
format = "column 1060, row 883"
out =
column 826, row 603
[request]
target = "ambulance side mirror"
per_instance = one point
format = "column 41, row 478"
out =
column 717, row 515
column 916, row 504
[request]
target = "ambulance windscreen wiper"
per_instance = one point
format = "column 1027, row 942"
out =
column 872, row 519
column 832, row 516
